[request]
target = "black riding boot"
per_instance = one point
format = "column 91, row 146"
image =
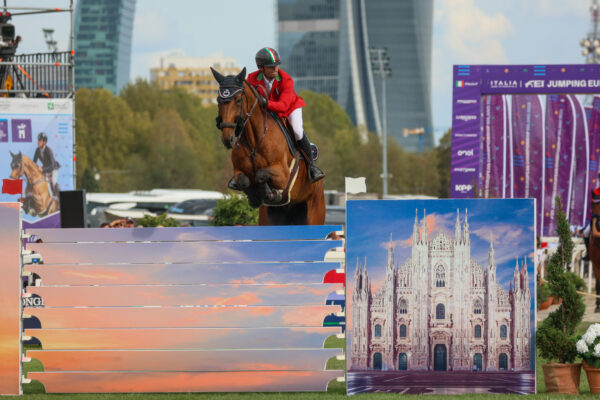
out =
column 314, row 173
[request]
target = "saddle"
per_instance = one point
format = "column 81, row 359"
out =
column 290, row 138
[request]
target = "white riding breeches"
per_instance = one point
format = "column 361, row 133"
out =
column 295, row 119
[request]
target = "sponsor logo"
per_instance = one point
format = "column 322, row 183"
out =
column 534, row 83
column 504, row 84
column 465, row 153
column 570, row 83
column 464, row 169
column 460, row 83
column 33, row 302
column 466, row 118
column 466, row 135
column 463, row 188
column 50, row 106
column 466, row 101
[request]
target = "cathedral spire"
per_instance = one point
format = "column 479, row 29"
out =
column 424, row 227
column 517, row 276
column 466, row 238
column 457, row 231
column 416, row 228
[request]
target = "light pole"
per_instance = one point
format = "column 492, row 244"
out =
column 591, row 43
column 380, row 64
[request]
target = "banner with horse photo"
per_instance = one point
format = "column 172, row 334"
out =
column 440, row 296
column 36, row 140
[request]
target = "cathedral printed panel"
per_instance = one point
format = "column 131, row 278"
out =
column 445, row 286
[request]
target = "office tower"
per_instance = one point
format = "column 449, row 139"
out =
column 325, row 45
column 103, row 32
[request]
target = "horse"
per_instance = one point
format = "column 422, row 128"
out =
column 594, row 249
column 264, row 168
column 38, row 200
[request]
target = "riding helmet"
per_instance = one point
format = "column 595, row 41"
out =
column 42, row 136
column 267, row 57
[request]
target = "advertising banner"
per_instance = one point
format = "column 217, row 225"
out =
column 494, row 147
column 553, row 152
column 36, row 141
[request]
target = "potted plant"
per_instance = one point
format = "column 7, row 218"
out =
column 555, row 335
column 544, row 299
column 588, row 347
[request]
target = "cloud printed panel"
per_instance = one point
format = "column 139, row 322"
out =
column 10, row 298
column 181, row 317
column 310, row 232
column 163, row 295
column 185, row 360
column 182, row 338
column 171, row 274
column 140, row 382
column 183, row 252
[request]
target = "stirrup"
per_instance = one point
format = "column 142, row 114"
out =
column 315, row 174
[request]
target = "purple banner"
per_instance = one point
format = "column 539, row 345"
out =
column 494, row 147
column 579, row 191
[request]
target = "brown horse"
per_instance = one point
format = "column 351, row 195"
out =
column 264, row 168
column 594, row 249
column 38, row 200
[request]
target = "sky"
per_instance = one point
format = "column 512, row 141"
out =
column 464, row 32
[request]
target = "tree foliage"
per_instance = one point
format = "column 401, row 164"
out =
column 555, row 335
column 147, row 138
column 234, row 210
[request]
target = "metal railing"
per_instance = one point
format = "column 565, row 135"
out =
column 43, row 75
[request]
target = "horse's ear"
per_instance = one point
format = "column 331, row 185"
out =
column 217, row 75
column 241, row 76
column 11, row 154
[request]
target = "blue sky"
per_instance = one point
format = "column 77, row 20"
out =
column 510, row 222
column 465, row 32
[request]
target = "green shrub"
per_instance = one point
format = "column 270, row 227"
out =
column 159, row 220
column 234, row 210
column 555, row 335
column 543, row 292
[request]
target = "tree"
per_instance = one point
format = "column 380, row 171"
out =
column 88, row 182
column 444, row 156
column 555, row 335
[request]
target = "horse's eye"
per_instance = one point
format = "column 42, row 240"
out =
column 238, row 100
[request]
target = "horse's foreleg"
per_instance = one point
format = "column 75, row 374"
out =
column 263, row 180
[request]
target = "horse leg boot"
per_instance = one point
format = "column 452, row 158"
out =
column 314, row 173
column 262, row 179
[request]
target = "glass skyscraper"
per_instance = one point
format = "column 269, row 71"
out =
column 324, row 45
column 103, row 32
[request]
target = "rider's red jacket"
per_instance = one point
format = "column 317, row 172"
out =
column 283, row 99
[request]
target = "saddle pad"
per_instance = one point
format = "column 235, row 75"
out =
column 291, row 139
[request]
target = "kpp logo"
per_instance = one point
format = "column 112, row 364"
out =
column 463, row 188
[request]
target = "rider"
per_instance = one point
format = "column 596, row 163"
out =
column 49, row 164
column 278, row 87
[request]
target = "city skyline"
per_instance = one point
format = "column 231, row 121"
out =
column 464, row 32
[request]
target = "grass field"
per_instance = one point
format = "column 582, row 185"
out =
column 336, row 391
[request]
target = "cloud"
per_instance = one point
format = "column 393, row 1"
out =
column 471, row 34
column 552, row 8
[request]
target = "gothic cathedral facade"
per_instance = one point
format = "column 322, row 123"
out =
column 441, row 311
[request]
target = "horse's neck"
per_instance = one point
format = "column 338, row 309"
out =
column 32, row 171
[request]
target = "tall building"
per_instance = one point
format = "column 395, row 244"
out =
column 441, row 311
column 103, row 32
column 193, row 74
column 324, row 45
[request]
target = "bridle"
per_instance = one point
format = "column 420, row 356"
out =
column 226, row 96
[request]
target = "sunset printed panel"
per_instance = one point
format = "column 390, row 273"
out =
column 123, row 382
column 10, row 298
column 183, row 252
column 186, row 360
column 181, row 317
column 179, row 295
column 172, row 274
column 309, row 232
column 183, row 338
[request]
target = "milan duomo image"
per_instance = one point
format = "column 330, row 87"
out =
column 440, row 310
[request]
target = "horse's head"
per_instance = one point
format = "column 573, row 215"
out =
column 231, row 119
column 16, row 165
